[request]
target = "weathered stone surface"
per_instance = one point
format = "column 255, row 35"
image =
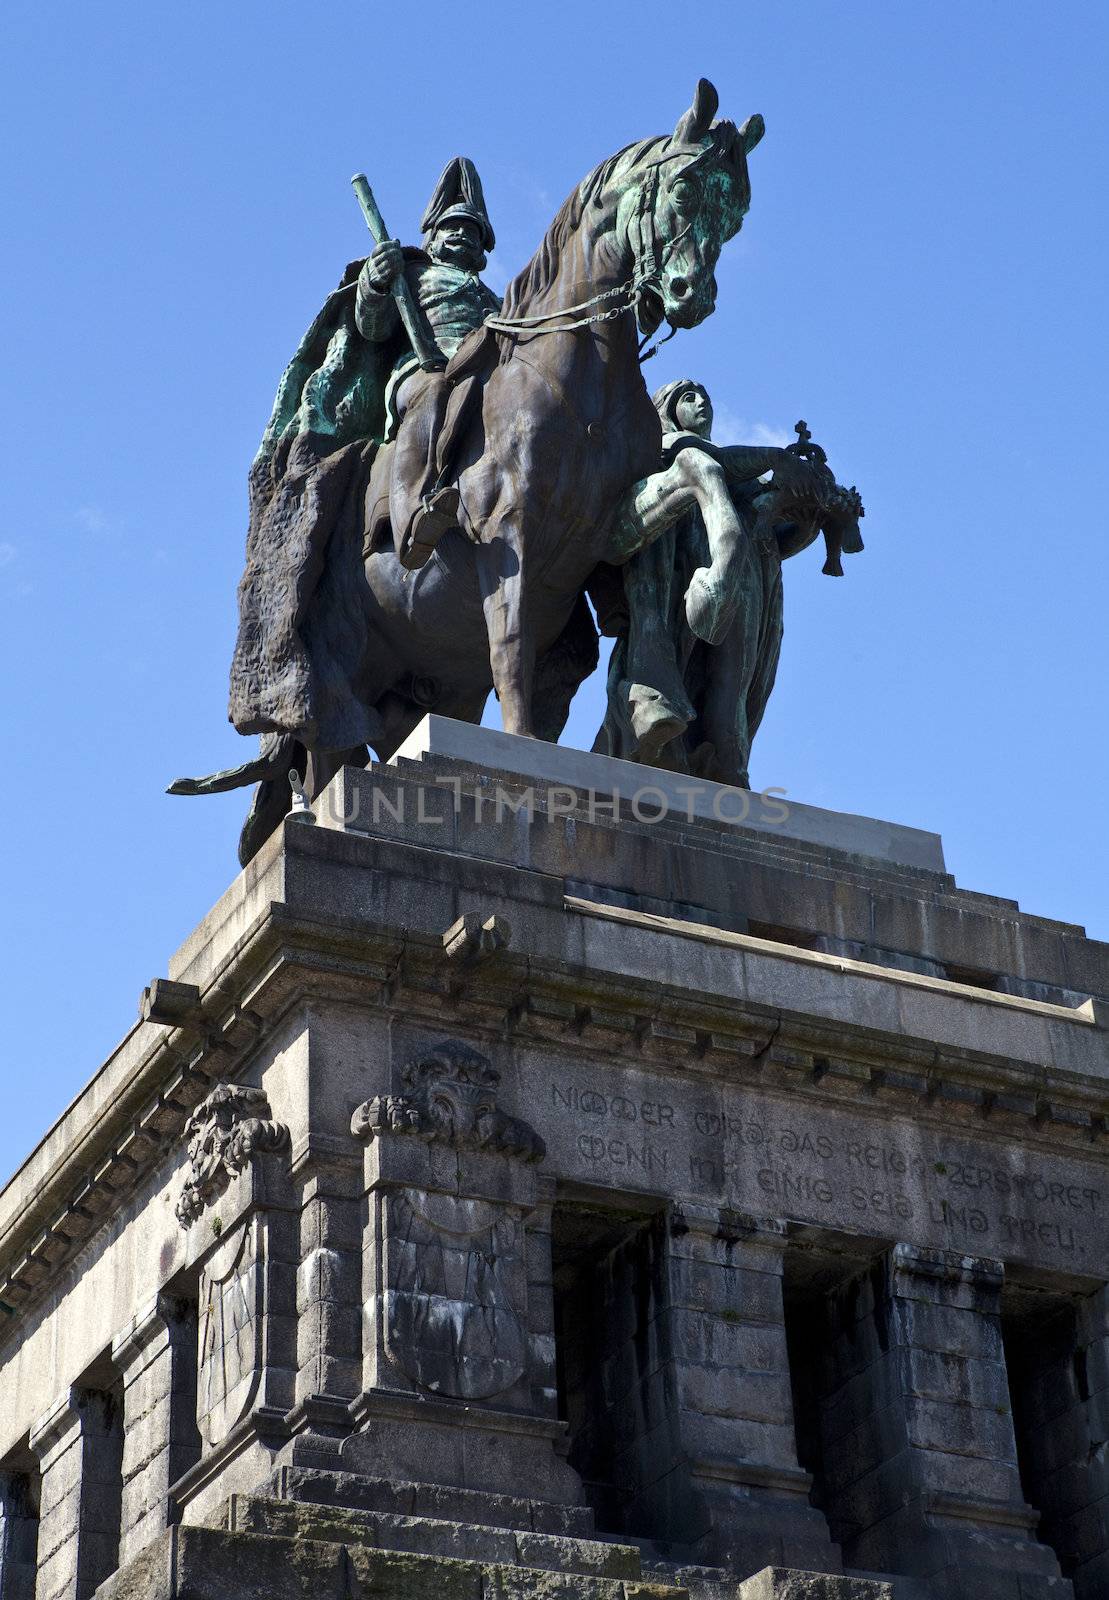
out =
column 784, row 1583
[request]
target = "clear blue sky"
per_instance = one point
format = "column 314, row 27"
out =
column 921, row 277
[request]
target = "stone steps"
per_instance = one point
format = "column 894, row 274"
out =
column 431, row 1536
column 327, row 1487
column 201, row 1563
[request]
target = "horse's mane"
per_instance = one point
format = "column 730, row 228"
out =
column 540, row 271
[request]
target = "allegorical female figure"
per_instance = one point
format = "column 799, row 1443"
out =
column 700, row 633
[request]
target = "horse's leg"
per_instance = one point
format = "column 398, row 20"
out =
column 501, row 577
column 322, row 766
column 270, row 802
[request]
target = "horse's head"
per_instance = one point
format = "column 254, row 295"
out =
column 683, row 197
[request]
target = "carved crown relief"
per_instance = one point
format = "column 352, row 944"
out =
column 451, row 1096
column 225, row 1132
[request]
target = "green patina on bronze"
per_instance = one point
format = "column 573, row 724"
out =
column 419, row 409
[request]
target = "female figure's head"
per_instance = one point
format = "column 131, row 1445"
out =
column 684, row 407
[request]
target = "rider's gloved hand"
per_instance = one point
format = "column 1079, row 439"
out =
column 385, row 265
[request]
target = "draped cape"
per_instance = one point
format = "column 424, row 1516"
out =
column 300, row 627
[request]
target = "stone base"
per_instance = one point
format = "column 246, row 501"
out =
column 513, row 1185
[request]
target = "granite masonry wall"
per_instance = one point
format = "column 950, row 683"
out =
column 655, row 1204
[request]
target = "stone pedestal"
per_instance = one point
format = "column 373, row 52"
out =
column 238, row 1209
column 458, row 1373
column 481, row 1190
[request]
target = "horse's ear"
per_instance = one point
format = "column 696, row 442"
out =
column 696, row 122
column 751, row 132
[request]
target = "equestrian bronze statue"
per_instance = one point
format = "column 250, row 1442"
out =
column 443, row 477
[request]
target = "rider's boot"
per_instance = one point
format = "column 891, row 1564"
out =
column 436, row 512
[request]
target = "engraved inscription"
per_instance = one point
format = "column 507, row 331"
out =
column 829, row 1167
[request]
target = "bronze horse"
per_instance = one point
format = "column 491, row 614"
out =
column 562, row 428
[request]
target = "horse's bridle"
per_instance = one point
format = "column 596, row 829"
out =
column 631, row 289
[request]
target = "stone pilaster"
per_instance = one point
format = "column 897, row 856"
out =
column 329, row 1301
column 731, row 1385
column 79, row 1448
column 451, row 1190
column 156, row 1358
column 18, row 1537
column 917, row 1431
column 240, row 1214
column 542, row 1372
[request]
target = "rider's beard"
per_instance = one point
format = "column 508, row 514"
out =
column 451, row 254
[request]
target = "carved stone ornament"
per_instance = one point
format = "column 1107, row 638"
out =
column 225, row 1132
column 231, row 1323
column 451, row 1096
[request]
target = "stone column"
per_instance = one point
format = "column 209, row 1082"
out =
column 79, row 1448
column 18, row 1537
column 730, row 1374
column 917, row 1432
column 156, row 1359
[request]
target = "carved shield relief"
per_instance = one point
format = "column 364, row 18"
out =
column 231, row 1291
column 454, row 1293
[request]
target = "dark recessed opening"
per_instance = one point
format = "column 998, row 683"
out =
column 833, row 1302
column 614, row 1386
column 185, row 1441
column 1048, row 1390
column 101, row 1524
column 799, row 937
column 20, row 1489
column 975, row 977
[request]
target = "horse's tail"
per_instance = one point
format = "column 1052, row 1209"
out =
column 274, row 758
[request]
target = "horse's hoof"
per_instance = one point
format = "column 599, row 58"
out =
column 707, row 612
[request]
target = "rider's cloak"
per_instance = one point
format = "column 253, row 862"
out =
column 300, row 625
